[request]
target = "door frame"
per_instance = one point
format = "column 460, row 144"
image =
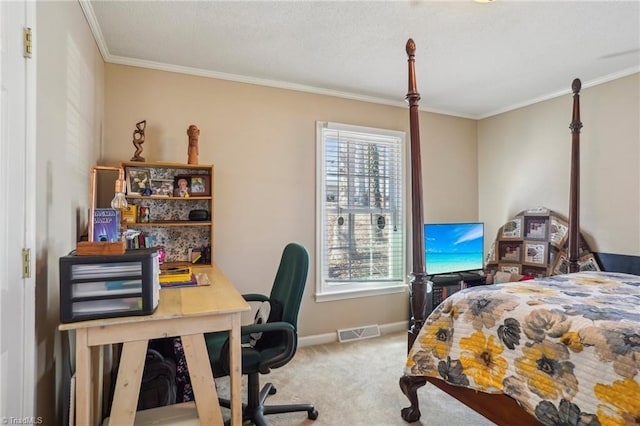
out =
column 30, row 199
column 23, row 233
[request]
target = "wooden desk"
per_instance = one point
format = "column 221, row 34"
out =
column 187, row 312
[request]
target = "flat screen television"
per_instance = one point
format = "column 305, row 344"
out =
column 453, row 247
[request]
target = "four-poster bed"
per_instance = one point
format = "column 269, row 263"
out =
column 524, row 353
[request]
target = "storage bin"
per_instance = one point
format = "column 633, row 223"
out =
column 93, row 287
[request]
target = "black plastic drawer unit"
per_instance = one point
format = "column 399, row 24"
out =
column 93, row 287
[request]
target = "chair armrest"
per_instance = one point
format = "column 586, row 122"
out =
column 289, row 347
column 268, row 326
column 255, row 297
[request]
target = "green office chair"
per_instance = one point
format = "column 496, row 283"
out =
column 273, row 343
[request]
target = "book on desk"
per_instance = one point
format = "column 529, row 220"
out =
column 182, row 276
column 189, row 281
column 174, row 274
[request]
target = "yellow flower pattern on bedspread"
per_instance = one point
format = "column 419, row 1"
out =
column 566, row 347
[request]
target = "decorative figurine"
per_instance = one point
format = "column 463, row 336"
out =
column 192, row 152
column 147, row 191
column 138, row 140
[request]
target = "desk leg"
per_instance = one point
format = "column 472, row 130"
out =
column 97, row 369
column 235, row 367
column 84, row 402
column 127, row 390
column 204, row 388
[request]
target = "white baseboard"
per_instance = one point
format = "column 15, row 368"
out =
column 319, row 339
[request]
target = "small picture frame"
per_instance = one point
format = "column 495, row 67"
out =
column 558, row 232
column 588, row 262
column 200, row 185
column 536, row 228
column 137, row 180
column 182, row 186
column 561, row 264
column 161, row 187
column 512, row 269
column 510, row 251
column 535, row 253
column 512, row 229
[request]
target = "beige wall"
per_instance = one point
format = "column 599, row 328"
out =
column 262, row 143
column 524, row 158
column 70, row 82
column 449, row 168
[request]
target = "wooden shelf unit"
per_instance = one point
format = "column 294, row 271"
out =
column 170, row 223
column 169, row 215
column 160, row 197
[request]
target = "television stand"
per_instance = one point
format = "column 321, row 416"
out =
column 471, row 279
column 445, row 285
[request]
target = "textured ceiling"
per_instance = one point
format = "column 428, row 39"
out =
column 473, row 60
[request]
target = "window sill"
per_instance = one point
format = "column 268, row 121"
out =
column 354, row 294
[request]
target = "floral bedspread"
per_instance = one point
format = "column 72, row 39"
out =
column 566, row 347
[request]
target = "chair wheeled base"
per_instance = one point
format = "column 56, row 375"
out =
column 255, row 409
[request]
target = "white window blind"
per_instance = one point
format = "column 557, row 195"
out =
column 361, row 210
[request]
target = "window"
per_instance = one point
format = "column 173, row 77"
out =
column 360, row 211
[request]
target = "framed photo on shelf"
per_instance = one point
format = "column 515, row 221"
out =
column 137, row 180
column 161, row 187
column 182, row 186
column 200, row 185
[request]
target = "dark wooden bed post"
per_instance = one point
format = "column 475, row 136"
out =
column 574, row 196
column 418, row 287
column 420, row 303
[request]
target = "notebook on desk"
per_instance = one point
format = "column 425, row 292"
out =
column 175, row 274
column 196, row 279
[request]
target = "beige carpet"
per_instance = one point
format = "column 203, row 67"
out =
column 356, row 383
